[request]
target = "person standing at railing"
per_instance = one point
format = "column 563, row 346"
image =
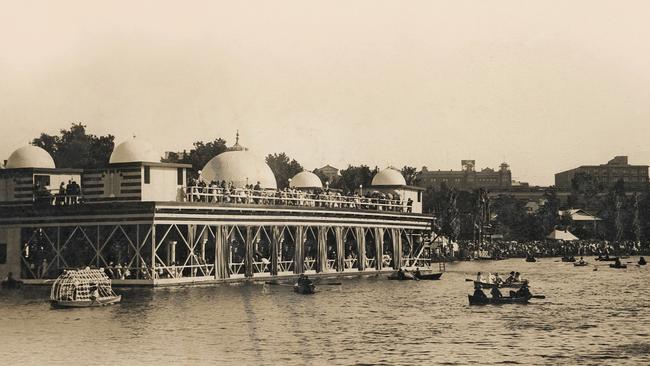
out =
column 258, row 190
column 409, row 205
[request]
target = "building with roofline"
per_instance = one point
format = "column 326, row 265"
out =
column 138, row 219
column 635, row 177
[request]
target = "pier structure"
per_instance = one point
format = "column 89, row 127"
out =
column 141, row 222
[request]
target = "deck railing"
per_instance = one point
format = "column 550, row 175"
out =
column 291, row 198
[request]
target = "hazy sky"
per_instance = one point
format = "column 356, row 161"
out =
column 543, row 85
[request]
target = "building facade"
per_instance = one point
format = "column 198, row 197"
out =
column 467, row 178
column 634, row 176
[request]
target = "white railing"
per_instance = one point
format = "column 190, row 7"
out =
column 237, row 268
column 285, row 266
column 330, row 264
column 309, row 264
column 290, row 198
column 261, row 267
column 349, row 263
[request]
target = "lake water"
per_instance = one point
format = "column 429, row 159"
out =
column 587, row 318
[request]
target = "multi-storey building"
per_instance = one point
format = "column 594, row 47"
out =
column 634, row 176
column 467, row 178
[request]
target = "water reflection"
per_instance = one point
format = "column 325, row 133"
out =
column 588, row 317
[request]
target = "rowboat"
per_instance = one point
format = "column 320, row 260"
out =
column 642, row 261
column 606, row 259
column 580, row 264
column 568, row 259
column 428, row 276
column 618, row 266
column 496, row 301
column 531, row 259
column 304, row 289
column 405, row 276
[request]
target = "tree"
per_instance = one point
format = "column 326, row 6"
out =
column 410, row 175
column 199, row 155
column 584, row 189
column 355, row 176
column 283, row 168
column 74, row 148
column 548, row 213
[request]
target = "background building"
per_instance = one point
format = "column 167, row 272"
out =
column 634, row 176
column 467, row 178
column 329, row 171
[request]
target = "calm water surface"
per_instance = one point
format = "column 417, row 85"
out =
column 587, row 318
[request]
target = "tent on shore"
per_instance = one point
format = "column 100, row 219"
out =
column 561, row 235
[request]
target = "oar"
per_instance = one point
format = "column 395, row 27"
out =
column 329, row 284
column 469, row 280
column 538, row 297
column 277, row 283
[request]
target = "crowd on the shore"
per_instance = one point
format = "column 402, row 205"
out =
column 552, row 248
column 222, row 192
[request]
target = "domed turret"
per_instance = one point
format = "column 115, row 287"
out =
column 134, row 150
column 241, row 168
column 306, row 180
column 30, row 157
column 388, row 177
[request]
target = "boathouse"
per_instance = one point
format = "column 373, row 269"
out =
column 145, row 224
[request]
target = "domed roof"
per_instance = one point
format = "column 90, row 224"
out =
column 388, row 177
column 306, row 179
column 134, row 150
column 30, row 157
column 240, row 168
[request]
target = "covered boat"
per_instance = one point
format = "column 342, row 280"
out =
column 428, row 276
column 83, row 288
column 475, row 300
column 580, row 264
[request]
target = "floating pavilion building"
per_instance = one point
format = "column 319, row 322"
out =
column 142, row 222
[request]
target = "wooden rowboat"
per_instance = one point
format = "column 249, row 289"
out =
column 496, row 301
column 428, row 276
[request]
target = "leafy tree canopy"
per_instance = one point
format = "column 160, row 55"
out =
column 283, row 168
column 74, row 148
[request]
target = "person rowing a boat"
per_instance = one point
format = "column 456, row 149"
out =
column 517, row 277
column 496, row 294
column 511, row 278
column 478, row 293
column 497, row 279
column 479, row 277
column 303, row 280
column 524, row 291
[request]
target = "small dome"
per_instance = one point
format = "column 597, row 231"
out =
column 30, row 157
column 240, row 168
column 388, row 177
column 134, row 150
column 305, row 180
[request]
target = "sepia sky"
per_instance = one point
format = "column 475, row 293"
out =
column 543, row 85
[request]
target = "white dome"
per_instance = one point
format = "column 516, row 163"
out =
column 134, row 150
column 306, row 179
column 388, row 177
column 240, row 168
column 30, row 157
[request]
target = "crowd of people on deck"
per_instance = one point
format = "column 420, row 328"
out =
column 67, row 194
column 552, row 248
column 222, row 192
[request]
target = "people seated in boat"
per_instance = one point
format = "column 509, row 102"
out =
column 496, row 293
column 478, row 293
column 303, row 280
column 417, row 272
column 94, row 293
column 479, row 277
column 517, row 277
column 523, row 291
column 497, row 279
column 617, row 263
column 642, row 261
column 511, row 277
